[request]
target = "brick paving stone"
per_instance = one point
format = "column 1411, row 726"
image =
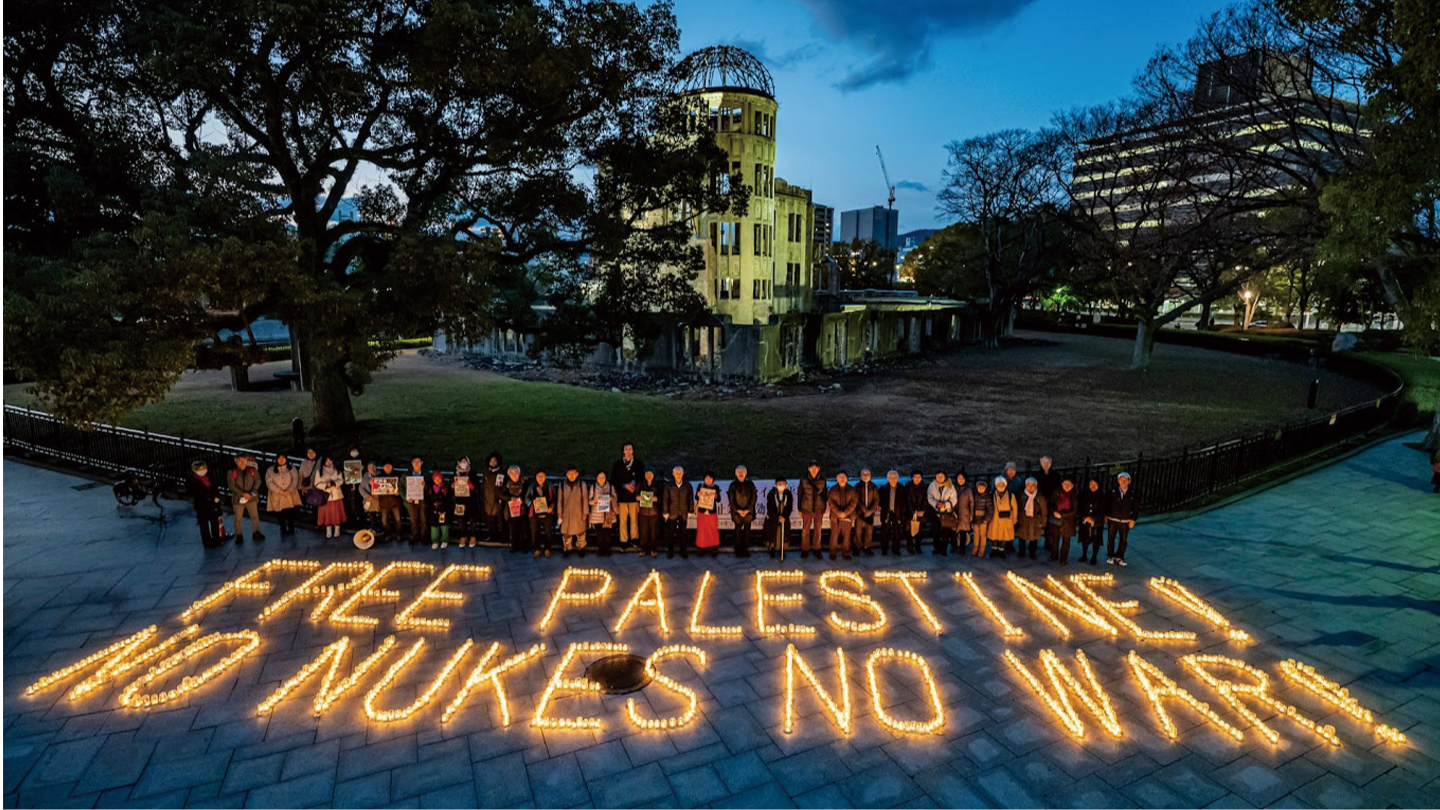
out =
column 743, row 771
column 603, row 760
column 440, row 765
column 949, row 787
column 558, row 782
column 182, row 773
column 251, row 773
column 367, row 791
column 767, row 795
column 120, row 761
column 698, row 787
column 630, row 788
column 461, row 795
column 303, row 791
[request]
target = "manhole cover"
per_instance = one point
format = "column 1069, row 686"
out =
column 618, row 674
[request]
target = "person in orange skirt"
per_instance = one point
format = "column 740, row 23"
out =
column 707, row 519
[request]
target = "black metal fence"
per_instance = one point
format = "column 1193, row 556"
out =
column 1162, row 484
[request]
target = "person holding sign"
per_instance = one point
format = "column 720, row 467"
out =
column 438, row 504
column 893, row 513
column 678, row 502
column 511, row 493
column 540, row 498
column 842, row 501
column 625, row 476
column 369, row 501
column 707, row 516
column 572, row 509
column 648, row 496
column 465, row 515
column 386, row 487
column 779, row 505
column 352, row 469
column 942, row 499
column 602, row 511
column 742, row 498
column 868, row 496
column 492, row 478
column 331, row 514
column 415, row 500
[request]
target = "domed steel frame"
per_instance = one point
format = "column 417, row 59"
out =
column 723, row 67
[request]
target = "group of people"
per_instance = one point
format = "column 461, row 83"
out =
column 631, row 505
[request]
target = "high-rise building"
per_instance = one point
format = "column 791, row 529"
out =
column 824, row 225
column 874, row 224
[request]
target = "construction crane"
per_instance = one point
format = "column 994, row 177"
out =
column 890, row 203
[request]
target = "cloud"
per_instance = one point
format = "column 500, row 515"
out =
column 900, row 33
column 912, row 185
column 782, row 60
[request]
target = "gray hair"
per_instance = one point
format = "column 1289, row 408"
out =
column 514, row 468
column 678, row 469
column 864, row 470
column 741, row 468
column 1031, row 480
column 895, row 473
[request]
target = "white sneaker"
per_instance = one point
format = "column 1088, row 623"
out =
column 444, row 545
column 434, row 545
column 1109, row 560
column 1120, row 562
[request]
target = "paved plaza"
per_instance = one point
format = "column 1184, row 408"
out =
column 1338, row 569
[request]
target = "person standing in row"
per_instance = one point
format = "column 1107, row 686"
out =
column 942, row 498
column 648, row 499
column 245, row 497
column 964, row 513
column 492, row 500
column 678, row 504
column 572, row 512
column 1013, row 484
column 465, row 514
column 602, row 512
column 282, row 492
column 389, row 503
column 1048, row 478
column 625, row 475
column 439, row 501
column 842, row 503
column 540, row 501
column 779, row 505
column 867, row 496
column 205, row 496
column 917, row 494
column 1002, row 520
column 812, row 509
column 707, row 516
column 511, row 492
column 369, row 501
column 414, row 491
column 331, row 514
column 981, row 511
column 308, row 467
column 743, row 498
column 1061, row 525
column 1031, row 520
column 352, row 468
column 1120, row 513
column 892, row 502
column 1091, row 523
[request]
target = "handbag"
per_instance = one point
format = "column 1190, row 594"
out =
column 317, row 497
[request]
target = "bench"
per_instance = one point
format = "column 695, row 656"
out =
column 290, row 378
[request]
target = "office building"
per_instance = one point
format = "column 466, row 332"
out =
column 875, row 224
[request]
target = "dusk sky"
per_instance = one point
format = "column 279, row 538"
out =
column 912, row 75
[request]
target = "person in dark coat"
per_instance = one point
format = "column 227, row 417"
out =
column 1121, row 510
column 964, row 512
column 354, row 502
column 205, row 496
column 678, row 505
column 439, row 503
column 982, row 507
column 511, row 494
column 893, row 503
column 1090, row 520
column 245, row 496
column 868, row 496
column 812, row 504
column 649, row 496
column 496, row 513
column 466, row 513
column 779, row 505
column 1048, row 477
column 743, row 499
column 918, row 506
column 1032, row 513
column 625, row 475
column 842, row 502
column 415, row 510
column 389, row 506
column 1060, row 527
column 540, row 500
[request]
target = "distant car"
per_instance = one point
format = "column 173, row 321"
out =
column 1259, row 324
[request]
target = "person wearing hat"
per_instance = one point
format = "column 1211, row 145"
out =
column 842, row 502
column 1030, row 522
column 205, row 496
column 1003, row 517
column 743, row 497
column 1013, row 483
column 812, row 503
column 439, row 501
column 892, row 499
column 572, row 509
column 1120, row 513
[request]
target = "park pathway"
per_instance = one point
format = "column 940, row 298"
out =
column 1339, row 568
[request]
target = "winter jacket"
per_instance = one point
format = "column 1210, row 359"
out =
column 1049, row 482
column 868, row 497
column 842, row 502
column 205, row 496
column 511, row 493
column 778, row 506
column 941, row 497
column 1122, row 505
column 656, row 493
column 1067, row 504
column 982, row 507
column 1032, row 526
column 329, row 479
column 603, row 498
column 677, row 500
column 621, row 474
column 812, row 493
column 440, row 501
column 282, row 488
column 964, row 507
column 468, row 502
column 572, row 505
column 743, row 497
column 243, row 482
column 308, row 467
column 902, row 503
column 1092, row 505
column 917, row 501
column 1002, row 519
column 491, row 482
column 534, row 493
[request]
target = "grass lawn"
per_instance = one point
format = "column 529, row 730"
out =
column 1070, row 396
column 1421, row 376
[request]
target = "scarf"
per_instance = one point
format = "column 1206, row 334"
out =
column 204, row 479
column 1030, row 503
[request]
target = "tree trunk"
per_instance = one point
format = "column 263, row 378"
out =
column 330, row 399
column 239, row 377
column 1204, row 322
column 1144, row 345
